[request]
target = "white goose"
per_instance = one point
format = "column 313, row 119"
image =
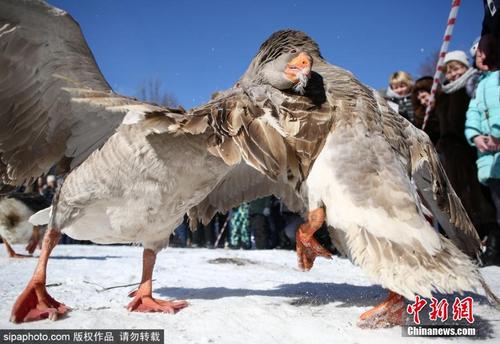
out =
column 134, row 169
column 359, row 182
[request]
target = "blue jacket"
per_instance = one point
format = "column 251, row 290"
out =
column 483, row 118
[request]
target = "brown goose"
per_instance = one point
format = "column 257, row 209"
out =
column 352, row 160
column 153, row 164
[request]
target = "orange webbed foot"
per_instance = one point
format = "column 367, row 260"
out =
column 142, row 300
column 387, row 314
column 150, row 304
column 308, row 248
column 35, row 303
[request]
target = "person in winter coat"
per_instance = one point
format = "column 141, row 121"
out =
column 49, row 189
column 482, row 127
column 420, row 99
column 398, row 94
column 457, row 156
column 259, row 211
column 239, row 236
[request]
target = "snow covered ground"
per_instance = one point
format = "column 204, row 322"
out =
column 235, row 296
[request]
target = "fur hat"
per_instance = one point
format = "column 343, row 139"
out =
column 456, row 55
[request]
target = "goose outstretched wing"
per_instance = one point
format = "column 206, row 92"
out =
column 55, row 104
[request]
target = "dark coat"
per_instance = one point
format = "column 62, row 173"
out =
column 34, row 201
column 450, row 110
column 459, row 158
column 257, row 206
column 405, row 106
column 491, row 24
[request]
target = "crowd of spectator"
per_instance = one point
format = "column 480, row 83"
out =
column 261, row 224
column 464, row 125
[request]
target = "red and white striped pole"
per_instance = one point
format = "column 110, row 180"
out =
column 452, row 18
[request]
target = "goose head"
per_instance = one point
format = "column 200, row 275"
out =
column 284, row 61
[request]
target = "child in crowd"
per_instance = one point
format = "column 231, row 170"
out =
column 399, row 94
column 482, row 128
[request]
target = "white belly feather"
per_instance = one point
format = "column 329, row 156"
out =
column 371, row 201
column 379, row 197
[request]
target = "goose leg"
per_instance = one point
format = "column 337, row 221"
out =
column 34, row 240
column 387, row 314
column 35, row 303
column 12, row 253
column 143, row 300
column 308, row 248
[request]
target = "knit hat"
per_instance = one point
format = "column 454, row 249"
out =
column 456, row 55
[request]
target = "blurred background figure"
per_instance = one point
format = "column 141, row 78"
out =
column 49, row 189
column 277, row 224
column 259, row 211
column 221, row 229
column 420, row 99
column 39, row 184
column 181, row 234
column 204, row 235
column 239, row 233
column 398, row 94
column 491, row 22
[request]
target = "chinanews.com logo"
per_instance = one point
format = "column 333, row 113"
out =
column 444, row 319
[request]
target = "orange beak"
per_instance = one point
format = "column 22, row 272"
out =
column 301, row 64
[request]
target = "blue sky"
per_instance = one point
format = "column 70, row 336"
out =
column 197, row 47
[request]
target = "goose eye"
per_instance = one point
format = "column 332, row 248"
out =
column 293, row 51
